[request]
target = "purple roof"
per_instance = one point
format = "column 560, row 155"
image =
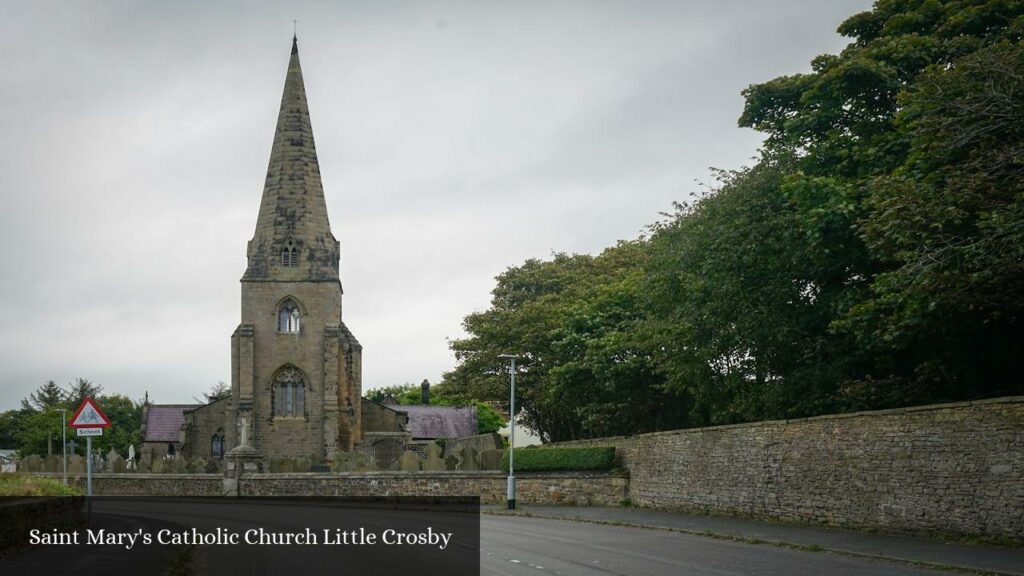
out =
column 162, row 422
column 440, row 421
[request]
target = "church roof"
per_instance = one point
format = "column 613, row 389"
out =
column 440, row 421
column 293, row 211
column 162, row 422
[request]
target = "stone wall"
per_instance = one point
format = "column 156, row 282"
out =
column 956, row 468
column 571, row 488
column 149, row 484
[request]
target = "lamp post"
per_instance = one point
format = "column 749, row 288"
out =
column 511, row 490
column 64, row 442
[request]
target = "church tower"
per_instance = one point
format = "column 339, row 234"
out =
column 295, row 366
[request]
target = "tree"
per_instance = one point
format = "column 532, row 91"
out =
column 218, row 391
column 584, row 370
column 47, row 396
column 81, row 389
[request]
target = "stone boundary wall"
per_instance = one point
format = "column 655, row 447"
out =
column 948, row 468
column 550, row 488
column 133, row 484
column 568, row 488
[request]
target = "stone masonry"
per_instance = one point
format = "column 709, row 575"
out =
column 953, row 468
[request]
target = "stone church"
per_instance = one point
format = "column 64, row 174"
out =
column 296, row 368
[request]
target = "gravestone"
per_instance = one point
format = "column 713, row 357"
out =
column 302, row 464
column 159, row 466
column 451, row 462
column 76, row 465
column 31, row 463
column 409, row 462
column 52, row 463
column 198, row 466
column 434, row 462
column 179, row 465
column 115, row 463
column 468, row 460
column 491, row 459
column 351, row 462
column 146, row 461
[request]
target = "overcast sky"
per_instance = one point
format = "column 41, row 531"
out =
column 455, row 140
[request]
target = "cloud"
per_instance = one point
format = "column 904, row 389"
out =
column 455, row 139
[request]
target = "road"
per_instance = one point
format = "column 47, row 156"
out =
column 516, row 546
column 507, row 546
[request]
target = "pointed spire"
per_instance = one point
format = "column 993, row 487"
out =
column 293, row 213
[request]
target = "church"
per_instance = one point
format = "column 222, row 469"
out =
column 296, row 368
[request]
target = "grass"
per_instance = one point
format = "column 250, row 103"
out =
column 21, row 485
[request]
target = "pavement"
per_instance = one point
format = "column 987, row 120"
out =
column 894, row 549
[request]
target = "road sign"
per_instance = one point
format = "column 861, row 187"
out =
column 90, row 431
column 89, row 415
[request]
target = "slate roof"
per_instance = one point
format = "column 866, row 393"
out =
column 440, row 421
column 162, row 422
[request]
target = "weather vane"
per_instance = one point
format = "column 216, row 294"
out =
column 295, row 28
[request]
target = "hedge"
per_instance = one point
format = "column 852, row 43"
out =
column 550, row 459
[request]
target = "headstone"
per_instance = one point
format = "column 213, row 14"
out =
column 146, row 461
column 302, row 464
column 351, row 462
column 52, row 463
column 434, row 462
column 214, row 466
column 76, row 465
column 491, row 459
column 159, row 466
column 179, row 465
column 30, row 463
column 467, row 459
column 198, row 466
column 115, row 463
column 409, row 462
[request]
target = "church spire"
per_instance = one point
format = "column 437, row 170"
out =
column 293, row 239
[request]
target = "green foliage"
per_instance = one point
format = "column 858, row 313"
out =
column 599, row 458
column 586, row 368
column 487, row 418
column 36, row 428
column 405, row 394
column 22, row 485
column 871, row 258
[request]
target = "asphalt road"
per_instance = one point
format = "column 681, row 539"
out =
column 508, row 545
column 515, row 546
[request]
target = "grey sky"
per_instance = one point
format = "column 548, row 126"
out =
column 455, row 139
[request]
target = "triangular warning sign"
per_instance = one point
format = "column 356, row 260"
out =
column 89, row 415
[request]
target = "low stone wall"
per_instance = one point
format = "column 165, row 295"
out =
column 568, row 488
column 19, row 515
column 954, row 468
column 571, row 488
column 132, row 484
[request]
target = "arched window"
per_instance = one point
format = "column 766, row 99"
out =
column 290, row 254
column 217, row 444
column 289, row 392
column 288, row 316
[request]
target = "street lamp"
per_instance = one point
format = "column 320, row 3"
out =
column 511, row 491
column 64, row 442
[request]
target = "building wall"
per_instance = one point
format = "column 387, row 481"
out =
column 955, row 468
column 201, row 425
column 323, row 350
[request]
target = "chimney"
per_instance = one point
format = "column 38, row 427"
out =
column 425, row 391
